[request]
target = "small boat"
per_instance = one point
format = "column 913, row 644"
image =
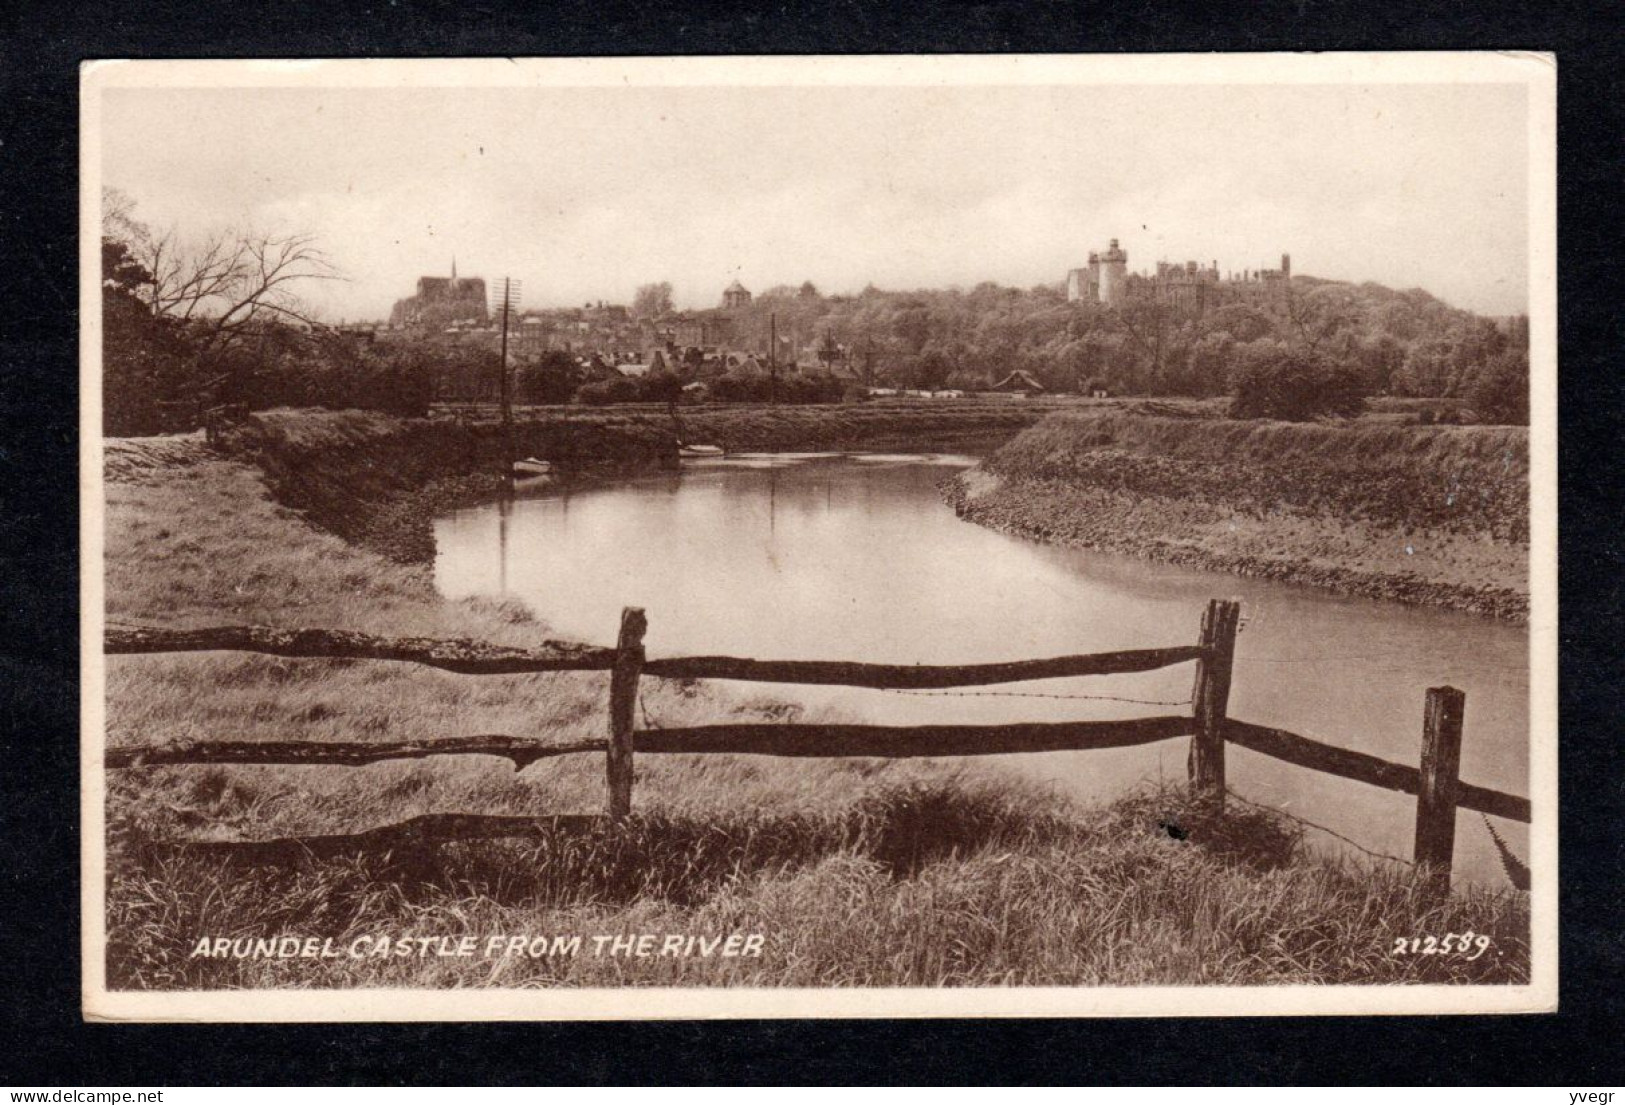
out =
column 699, row 450
column 530, row 466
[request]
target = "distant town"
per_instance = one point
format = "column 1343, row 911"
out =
column 187, row 332
column 651, row 337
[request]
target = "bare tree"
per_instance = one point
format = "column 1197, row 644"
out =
column 230, row 282
column 225, row 284
column 220, row 288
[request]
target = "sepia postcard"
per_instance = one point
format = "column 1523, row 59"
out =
column 819, row 537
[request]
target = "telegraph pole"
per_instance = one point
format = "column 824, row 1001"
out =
column 773, row 357
column 510, row 299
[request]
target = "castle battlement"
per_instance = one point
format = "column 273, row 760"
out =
column 1107, row 281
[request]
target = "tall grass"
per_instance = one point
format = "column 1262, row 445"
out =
column 1461, row 478
column 937, row 882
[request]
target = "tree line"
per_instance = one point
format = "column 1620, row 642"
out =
column 1271, row 354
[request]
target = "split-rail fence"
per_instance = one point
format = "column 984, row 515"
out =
column 1436, row 782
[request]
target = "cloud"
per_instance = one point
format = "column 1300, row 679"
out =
column 585, row 193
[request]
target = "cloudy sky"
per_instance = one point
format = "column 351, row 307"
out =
column 584, row 193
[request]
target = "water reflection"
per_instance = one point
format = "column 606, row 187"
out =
column 760, row 557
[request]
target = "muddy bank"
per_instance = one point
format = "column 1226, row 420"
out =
column 379, row 481
column 1421, row 515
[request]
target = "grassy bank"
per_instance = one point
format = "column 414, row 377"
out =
column 856, row 872
column 1433, row 515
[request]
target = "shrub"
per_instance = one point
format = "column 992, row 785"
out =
column 551, row 379
column 1500, row 392
column 617, row 389
column 810, row 389
column 1294, row 386
column 741, row 387
column 660, row 387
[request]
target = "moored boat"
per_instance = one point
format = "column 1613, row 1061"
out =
column 700, row 450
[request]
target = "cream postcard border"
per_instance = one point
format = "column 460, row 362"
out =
column 1537, row 72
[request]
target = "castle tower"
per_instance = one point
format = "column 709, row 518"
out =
column 1286, row 266
column 1113, row 275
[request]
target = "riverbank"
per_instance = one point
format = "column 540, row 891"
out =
column 857, row 872
column 1429, row 515
column 379, row 481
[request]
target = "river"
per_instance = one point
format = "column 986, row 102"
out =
column 820, row 556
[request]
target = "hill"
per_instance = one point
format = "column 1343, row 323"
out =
column 1405, row 343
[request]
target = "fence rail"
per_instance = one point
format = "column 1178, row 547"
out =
column 1435, row 782
column 469, row 657
column 1365, row 768
column 462, row 656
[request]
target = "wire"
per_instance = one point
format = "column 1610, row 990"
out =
column 1312, row 825
column 1037, row 694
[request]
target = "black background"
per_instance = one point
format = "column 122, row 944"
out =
column 44, row 1040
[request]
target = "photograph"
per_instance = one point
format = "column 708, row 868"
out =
column 765, row 537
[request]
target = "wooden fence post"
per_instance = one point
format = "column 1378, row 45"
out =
column 1211, row 698
column 1436, row 797
column 623, row 698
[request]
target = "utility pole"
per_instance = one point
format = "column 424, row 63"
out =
column 773, row 357
column 510, row 299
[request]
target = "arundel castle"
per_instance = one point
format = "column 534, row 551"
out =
column 1191, row 286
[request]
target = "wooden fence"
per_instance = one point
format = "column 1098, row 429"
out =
column 1436, row 783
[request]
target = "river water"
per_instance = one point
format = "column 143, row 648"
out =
column 820, row 556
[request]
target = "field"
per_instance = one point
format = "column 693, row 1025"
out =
column 1434, row 515
column 856, row 872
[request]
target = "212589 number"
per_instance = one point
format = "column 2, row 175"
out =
column 1469, row 945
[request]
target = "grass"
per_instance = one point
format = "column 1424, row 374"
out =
column 935, row 882
column 1423, row 514
column 1467, row 479
column 855, row 872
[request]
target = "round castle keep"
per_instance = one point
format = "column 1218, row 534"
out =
column 1189, row 285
